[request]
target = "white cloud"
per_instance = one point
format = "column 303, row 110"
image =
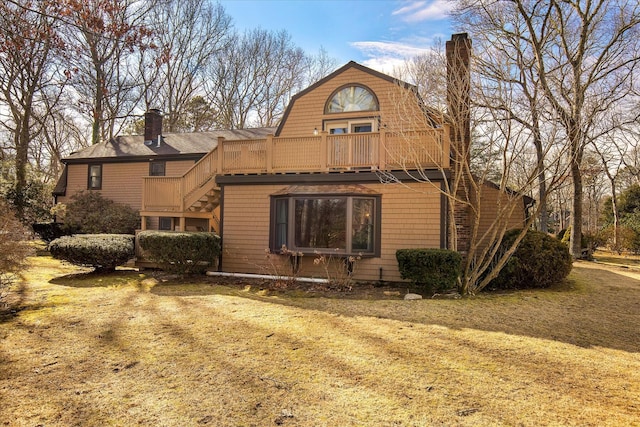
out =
column 396, row 49
column 385, row 56
column 417, row 11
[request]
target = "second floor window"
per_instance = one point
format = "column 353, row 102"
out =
column 95, row 177
column 351, row 98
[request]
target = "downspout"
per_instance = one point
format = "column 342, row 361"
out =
column 221, row 226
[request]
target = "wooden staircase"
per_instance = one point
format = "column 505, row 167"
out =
column 206, row 203
column 194, row 194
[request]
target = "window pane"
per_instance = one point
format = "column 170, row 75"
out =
column 282, row 214
column 352, row 98
column 362, row 225
column 364, row 127
column 320, row 223
column 337, row 131
column 157, row 169
column 164, row 223
column 95, row 178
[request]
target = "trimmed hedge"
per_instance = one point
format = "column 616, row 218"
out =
column 539, row 262
column 104, row 252
column 432, row 269
column 180, row 252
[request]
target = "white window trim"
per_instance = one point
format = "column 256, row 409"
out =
column 350, row 124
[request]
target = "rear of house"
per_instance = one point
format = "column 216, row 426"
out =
column 355, row 171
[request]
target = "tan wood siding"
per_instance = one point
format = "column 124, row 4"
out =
column 121, row 182
column 307, row 112
column 411, row 218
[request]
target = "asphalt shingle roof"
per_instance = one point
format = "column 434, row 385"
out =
column 173, row 144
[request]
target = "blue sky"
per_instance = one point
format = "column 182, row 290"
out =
column 376, row 33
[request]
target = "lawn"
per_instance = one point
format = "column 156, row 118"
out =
column 137, row 349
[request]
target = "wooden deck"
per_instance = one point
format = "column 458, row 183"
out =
column 324, row 153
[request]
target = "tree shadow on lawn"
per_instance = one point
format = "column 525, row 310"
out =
column 594, row 307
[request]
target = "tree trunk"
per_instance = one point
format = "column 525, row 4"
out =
column 542, row 179
column 576, row 218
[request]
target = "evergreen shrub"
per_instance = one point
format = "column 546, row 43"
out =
column 180, row 252
column 432, row 269
column 539, row 261
column 104, row 252
column 89, row 212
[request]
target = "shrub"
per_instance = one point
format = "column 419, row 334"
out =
column 48, row 231
column 90, row 213
column 539, row 262
column 433, row 269
column 180, row 252
column 14, row 247
column 34, row 200
column 104, row 252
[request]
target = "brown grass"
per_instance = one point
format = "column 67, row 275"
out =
column 128, row 349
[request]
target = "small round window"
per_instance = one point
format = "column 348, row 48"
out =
column 352, row 98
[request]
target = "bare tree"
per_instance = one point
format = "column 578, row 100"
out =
column 102, row 37
column 319, row 66
column 29, row 41
column 254, row 77
column 585, row 56
column 473, row 229
column 189, row 34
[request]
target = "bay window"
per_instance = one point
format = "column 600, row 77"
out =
column 336, row 224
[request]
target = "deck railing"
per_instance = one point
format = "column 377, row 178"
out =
column 322, row 153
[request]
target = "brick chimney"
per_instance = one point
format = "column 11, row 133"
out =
column 458, row 51
column 153, row 127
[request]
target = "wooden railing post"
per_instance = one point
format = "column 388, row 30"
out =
column 181, row 195
column 144, row 194
column 269, row 149
column 382, row 150
column 220, row 149
column 324, row 150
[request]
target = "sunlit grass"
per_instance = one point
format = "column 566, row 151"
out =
column 141, row 349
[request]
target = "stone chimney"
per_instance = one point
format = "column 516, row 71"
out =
column 458, row 51
column 153, row 127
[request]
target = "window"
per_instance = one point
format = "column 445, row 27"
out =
column 165, row 223
column 351, row 98
column 95, row 177
column 157, row 168
column 328, row 223
column 350, row 126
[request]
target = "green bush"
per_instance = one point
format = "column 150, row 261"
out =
column 180, row 252
column 539, row 262
column 104, row 252
column 34, row 201
column 90, row 213
column 432, row 269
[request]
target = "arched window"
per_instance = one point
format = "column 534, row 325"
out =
column 352, row 98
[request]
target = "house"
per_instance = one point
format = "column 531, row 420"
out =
column 116, row 168
column 336, row 178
